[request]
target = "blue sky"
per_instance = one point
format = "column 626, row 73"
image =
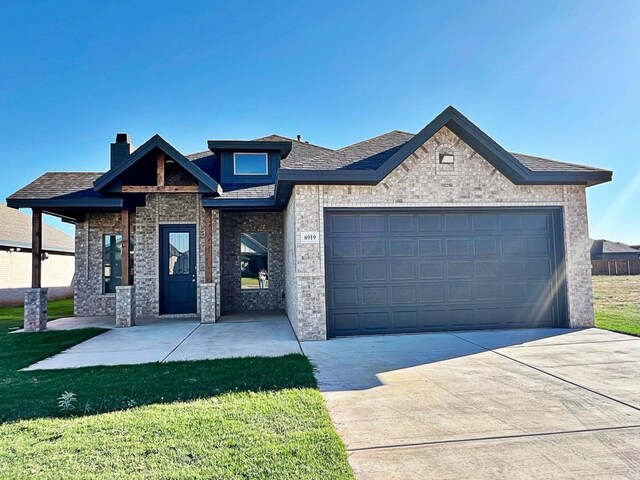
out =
column 550, row 78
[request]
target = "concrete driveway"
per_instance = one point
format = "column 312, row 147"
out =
column 501, row 405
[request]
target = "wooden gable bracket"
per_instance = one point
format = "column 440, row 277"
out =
column 160, row 186
column 160, row 168
column 160, row 189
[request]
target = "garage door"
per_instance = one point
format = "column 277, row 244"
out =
column 421, row 271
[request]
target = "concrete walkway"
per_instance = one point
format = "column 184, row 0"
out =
column 167, row 340
column 496, row 405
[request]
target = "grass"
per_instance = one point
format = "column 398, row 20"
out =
column 235, row 418
column 248, row 282
column 11, row 317
column 617, row 303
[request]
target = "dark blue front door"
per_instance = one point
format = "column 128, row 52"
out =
column 177, row 269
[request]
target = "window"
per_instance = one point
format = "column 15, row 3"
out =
column 250, row 164
column 254, row 260
column 112, row 262
column 179, row 253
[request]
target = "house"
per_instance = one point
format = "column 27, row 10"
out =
column 608, row 250
column 441, row 230
column 614, row 258
column 15, row 258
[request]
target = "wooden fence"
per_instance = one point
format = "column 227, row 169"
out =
column 615, row 267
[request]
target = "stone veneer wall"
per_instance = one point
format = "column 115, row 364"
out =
column 234, row 299
column 421, row 181
column 290, row 277
column 160, row 209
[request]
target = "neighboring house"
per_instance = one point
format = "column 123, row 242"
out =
column 15, row 258
column 441, row 230
column 614, row 258
column 608, row 250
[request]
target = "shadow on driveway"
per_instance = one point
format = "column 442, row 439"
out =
column 357, row 363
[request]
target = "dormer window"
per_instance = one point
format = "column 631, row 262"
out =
column 250, row 164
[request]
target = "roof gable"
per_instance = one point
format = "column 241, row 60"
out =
column 506, row 163
column 156, row 141
column 503, row 161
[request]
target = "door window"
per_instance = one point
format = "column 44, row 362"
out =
column 179, row 253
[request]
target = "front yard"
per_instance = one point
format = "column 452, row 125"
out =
column 617, row 303
column 237, row 418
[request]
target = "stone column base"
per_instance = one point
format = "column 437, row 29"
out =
column 208, row 303
column 125, row 306
column 35, row 310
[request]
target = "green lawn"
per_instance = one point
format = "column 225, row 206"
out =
column 237, row 418
column 619, row 318
column 11, row 317
column 617, row 303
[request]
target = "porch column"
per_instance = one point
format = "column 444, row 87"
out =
column 35, row 298
column 207, row 303
column 124, row 258
column 125, row 306
column 125, row 293
column 208, row 246
column 208, row 288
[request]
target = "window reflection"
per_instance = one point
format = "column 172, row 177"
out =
column 254, row 260
column 179, row 253
column 111, row 263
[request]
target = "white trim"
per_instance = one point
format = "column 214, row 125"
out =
column 266, row 164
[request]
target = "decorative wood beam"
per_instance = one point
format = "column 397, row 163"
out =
column 36, row 248
column 160, row 189
column 124, row 263
column 208, row 254
column 160, row 168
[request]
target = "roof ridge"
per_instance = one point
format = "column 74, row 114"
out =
column 373, row 138
column 74, row 171
column 297, row 141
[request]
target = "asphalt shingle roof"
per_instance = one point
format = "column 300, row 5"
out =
column 607, row 246
column 60, row 184
column 15, row 231
column 302, row 153
column 539, row 164
column 253, row 191
column 366, row 155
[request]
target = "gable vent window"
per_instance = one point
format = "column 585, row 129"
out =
column 250, row 164
column 447, row 158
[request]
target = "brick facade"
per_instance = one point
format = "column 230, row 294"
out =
column 160, row 209
column 420, row 181
column 290, row 263
column 296, row 270
column 235, row 299
column 89, row 299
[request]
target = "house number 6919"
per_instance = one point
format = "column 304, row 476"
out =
column 309, row 237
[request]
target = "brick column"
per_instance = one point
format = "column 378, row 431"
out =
column 35, row 310
column 208, row 303
column 125, row 306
